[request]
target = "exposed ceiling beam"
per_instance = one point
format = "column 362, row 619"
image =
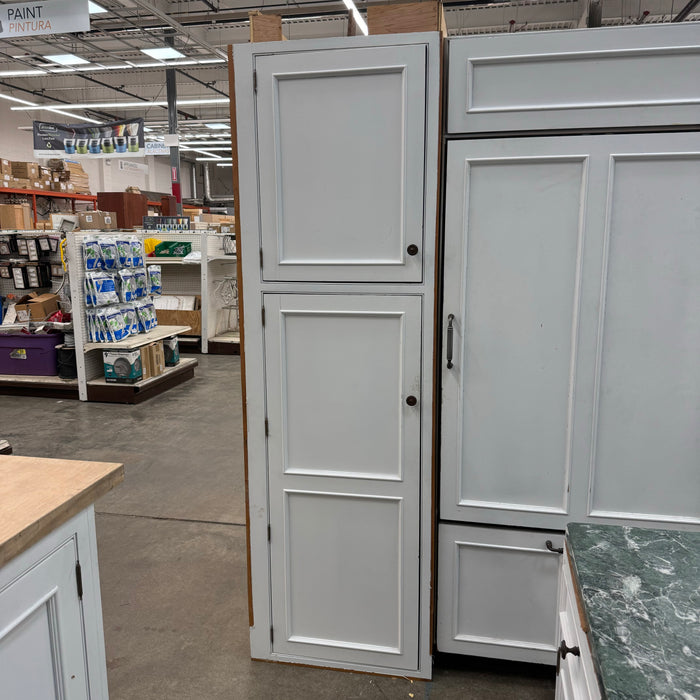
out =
column 685, row 11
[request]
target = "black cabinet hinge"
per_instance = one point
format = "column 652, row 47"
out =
column 263, row 315
column 261, row 258
column 255, row 81
column 269, row 533
column 272, row 635
column 267, row 428
column 79, row 580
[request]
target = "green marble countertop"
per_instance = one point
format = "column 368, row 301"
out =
column 640, row 591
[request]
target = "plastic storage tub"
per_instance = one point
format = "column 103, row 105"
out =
column 21, row 353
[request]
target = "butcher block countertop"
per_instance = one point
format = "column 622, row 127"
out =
column 38, row 495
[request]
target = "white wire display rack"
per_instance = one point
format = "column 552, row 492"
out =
column 219, row 289
column 89, row 355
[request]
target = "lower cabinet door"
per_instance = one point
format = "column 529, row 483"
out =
column 42, row 652
column 343, row 376
column 497, row 592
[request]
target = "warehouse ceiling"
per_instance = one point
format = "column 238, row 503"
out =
column 116, row 79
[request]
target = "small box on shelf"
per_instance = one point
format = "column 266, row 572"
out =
column 122, row 366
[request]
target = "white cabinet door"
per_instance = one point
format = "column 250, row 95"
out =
column 42, row 651
column 497, row 593
column 341, row 163
column 342, row 373
column 571, row 269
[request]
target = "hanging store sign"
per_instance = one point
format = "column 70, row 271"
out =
column 44, row 17
column 124, row 139
column 157, row 148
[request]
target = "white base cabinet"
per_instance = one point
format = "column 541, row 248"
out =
column 497, row 592
column 51, row 634
column 576, row 676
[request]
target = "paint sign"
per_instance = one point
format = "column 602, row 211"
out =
column 123, row 139
column 131, row 167
column 44, row 17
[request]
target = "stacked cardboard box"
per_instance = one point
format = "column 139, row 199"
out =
column 97, row 220
column 153, row 359
column 17, row 217
column 6, row 175
column 71, row 173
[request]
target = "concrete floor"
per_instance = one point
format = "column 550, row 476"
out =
column 171, row 543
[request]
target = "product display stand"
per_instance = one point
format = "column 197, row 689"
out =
column 220, row 330
column 91, row 383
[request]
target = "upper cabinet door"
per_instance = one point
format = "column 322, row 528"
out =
column 341, row 164
column 611, row 77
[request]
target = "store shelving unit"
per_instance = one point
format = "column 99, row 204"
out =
column 91, row 383
column 220, row 332
column 33, row 194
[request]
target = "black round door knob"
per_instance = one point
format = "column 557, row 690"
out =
column 412, row 249
column 411, row 400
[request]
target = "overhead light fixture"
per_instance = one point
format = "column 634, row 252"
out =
column 21, row 73
column 359, row 20
column 66, row 59
column 31, row 105
column 163, row 53
column 95, row 9
column 224, row 165
column 15, row 99
column 217, row 125
column 202, row 160
column 196, row 144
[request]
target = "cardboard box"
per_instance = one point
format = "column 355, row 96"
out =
column 122, row 366
column 16, row 217
column 5, row 167
column 146, row 369
column 97, row 220
column 19, row 183
column 29, row 171
column 36, row 307
column 58, row 219
column 157, row 358
column 58, row 186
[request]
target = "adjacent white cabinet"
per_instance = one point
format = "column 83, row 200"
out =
column 338, row 144
column 51, row 636
column 571, row 276
column 571, row 315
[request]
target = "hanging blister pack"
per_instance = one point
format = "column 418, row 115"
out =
column 130, row 318
column 127, row 291
column 110, row 259
column 155, row 284
column 89, row 292
column 141, row 283
column 116, row 327
column 92, row 254
column 136, row 245
column 123, row 253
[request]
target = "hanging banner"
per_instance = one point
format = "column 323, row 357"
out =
column 123, row 138
column 44, row 17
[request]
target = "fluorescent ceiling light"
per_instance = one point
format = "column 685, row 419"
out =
column 32, row 105
column 66, row 59
column 217, row 158
column 15, row 99
column 21, row 73
column 224, row 165
column 359, row 20
column 217, row 126
column 95, row 9
column 129, row 105
column 204, row 143
column 163, row 53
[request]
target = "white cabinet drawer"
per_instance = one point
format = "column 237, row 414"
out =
column 526, row 81
column 577, row 677
column 497, row 593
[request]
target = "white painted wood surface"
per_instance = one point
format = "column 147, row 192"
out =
column 571, row 267
column 51, row 642
column 341, row 149
column 633, row 76
column 497, row 592
column 348, row 335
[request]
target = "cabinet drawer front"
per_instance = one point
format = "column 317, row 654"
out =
column 521, row 82
column 497, row 593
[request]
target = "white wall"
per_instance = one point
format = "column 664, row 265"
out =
column 15, row 144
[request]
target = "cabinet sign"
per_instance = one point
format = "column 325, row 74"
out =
column 44, row 17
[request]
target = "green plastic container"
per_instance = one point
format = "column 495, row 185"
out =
column 173, row 249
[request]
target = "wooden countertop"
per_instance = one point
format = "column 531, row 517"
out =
column 37, row 495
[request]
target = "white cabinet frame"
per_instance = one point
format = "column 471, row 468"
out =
column 254, row 289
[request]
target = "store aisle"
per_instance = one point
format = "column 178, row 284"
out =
column 171, row 545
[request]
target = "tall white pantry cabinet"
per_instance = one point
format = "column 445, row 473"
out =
column 571, row 314
column 338, row 142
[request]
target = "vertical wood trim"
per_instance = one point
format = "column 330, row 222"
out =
column 241, row 324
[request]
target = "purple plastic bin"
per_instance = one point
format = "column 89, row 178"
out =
column 21, row 353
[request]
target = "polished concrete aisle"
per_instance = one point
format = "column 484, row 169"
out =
column 171, row 544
